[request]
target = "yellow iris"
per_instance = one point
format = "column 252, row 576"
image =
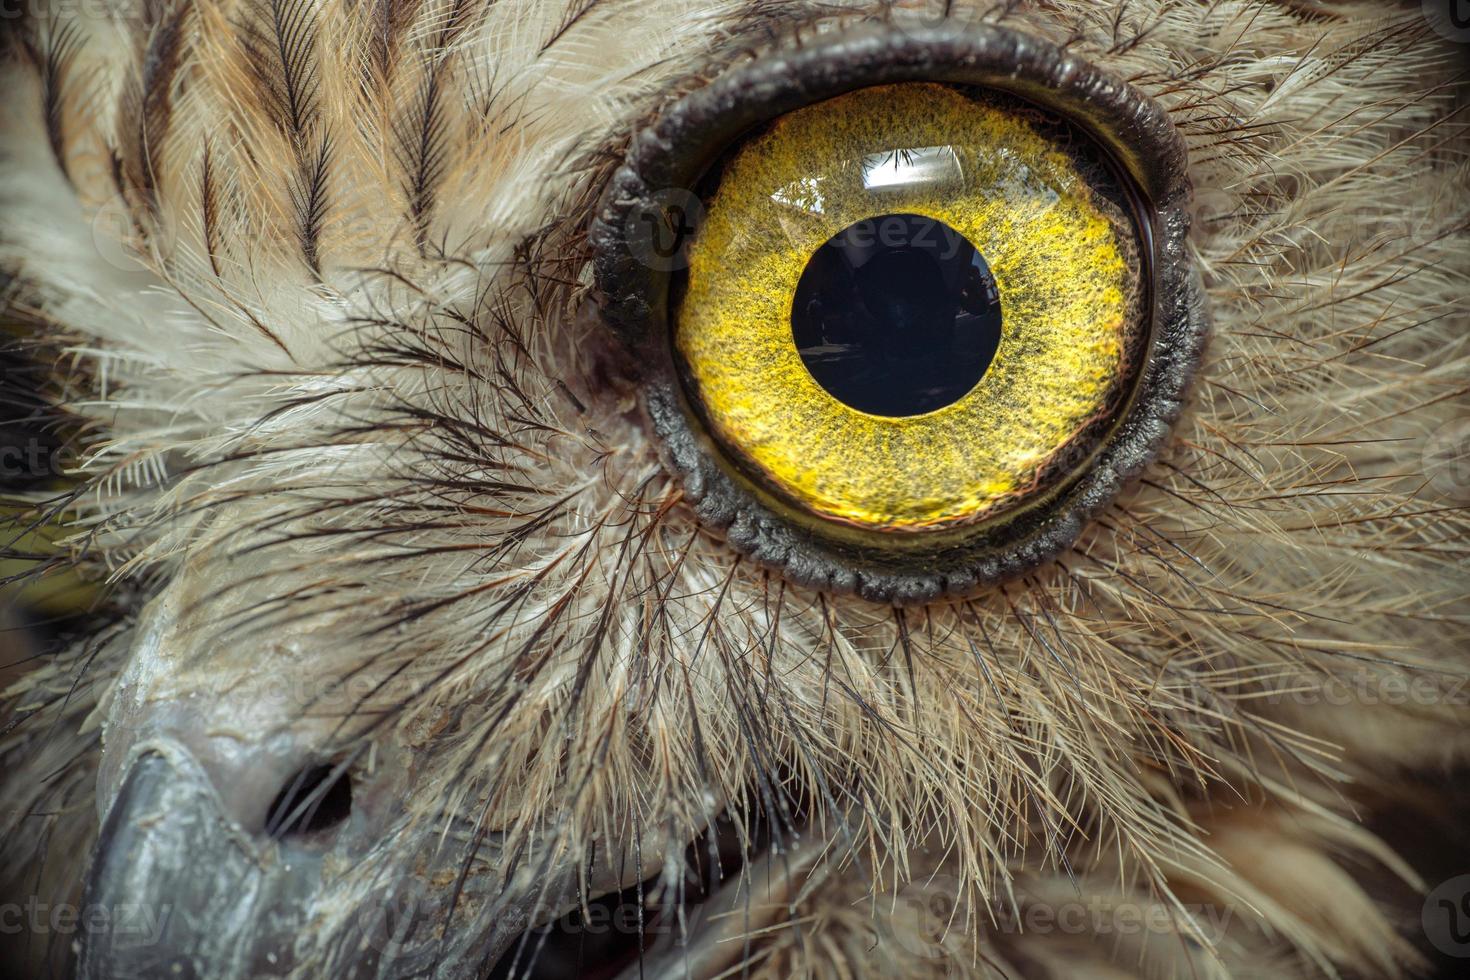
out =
column 1062, row 253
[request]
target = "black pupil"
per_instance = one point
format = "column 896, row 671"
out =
column 897, row 315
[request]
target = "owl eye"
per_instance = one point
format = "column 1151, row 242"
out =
column 906, row 305
column 909, row 307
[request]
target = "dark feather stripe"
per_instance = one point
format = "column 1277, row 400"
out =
column 391, row 20
column 311, row 202
column 53, row 53
column 280, row 42
column 422, row 151
column 162, row 58
column 280, row 46
column 421, row 135
column 209, row 209
column 575, row 13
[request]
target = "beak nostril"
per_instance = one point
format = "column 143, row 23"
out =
column 313, row 801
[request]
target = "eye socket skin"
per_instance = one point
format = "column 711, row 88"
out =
column 636, row 294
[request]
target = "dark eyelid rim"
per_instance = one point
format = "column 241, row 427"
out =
column 682, row 144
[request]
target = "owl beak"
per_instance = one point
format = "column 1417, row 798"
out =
column 178, row 889
column 186, row 894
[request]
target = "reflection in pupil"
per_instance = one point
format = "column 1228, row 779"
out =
column 896, row 315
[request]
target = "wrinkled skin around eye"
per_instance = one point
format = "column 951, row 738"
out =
column 371, row 489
